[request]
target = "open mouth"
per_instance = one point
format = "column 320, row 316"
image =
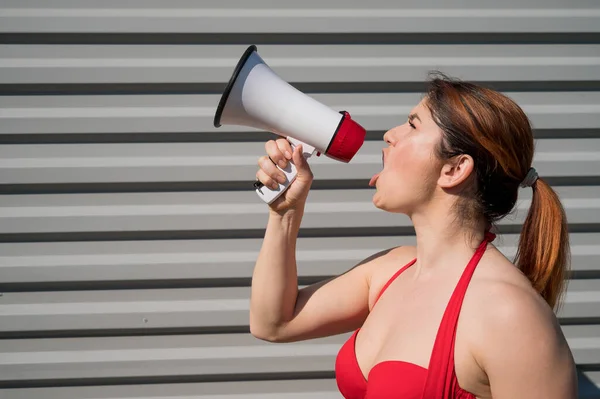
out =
column 373, row 180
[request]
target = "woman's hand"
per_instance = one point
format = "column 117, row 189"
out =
column 280, row 152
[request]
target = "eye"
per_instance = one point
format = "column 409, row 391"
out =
column 412, row 124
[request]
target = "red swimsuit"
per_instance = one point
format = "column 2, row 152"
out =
column 398, row 379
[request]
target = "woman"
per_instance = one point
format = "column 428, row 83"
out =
column 454, row 168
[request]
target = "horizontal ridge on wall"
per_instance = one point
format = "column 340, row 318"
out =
column 274, row 389
column 194, row 163
column 215, row 211
column 312, row 16
column 144, row 310
column 425, row 38
column 185, row 358
column 40, row 89
column 96, row 265
column 242, row 234
column 229, row 186
column 313, row 68
column 232, row 137
column 195, row 113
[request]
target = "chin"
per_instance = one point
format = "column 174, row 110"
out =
column 376, row 203
column 380, row 203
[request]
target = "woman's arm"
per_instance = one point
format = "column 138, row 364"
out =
column 279, row 311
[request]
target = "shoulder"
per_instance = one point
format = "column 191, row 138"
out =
column 378, row 268
column 517, row 335
column 499, row 292
column 388, row 259
column 392, row 260
column 394, row 253
column 507, row 306
column 403, row 254
column 383, row 265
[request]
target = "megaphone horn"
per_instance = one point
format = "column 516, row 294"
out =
column 257, row 97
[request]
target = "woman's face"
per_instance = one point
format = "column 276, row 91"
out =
column 410, row 167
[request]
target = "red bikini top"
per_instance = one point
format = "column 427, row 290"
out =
column 398, row 379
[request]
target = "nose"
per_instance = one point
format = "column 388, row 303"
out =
column 391, row 136
column 387, row 137
column 396, row 133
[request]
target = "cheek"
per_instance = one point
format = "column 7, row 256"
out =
column 412, row 170
column 412, row 162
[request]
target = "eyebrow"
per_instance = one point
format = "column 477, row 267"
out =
column 414, row 116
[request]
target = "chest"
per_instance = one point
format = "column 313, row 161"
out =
column 404, row 325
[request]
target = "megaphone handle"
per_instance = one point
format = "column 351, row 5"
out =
column 268, row 194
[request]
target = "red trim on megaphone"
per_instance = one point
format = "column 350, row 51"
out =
column 347, row 140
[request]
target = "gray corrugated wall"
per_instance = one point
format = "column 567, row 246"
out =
column 128, row 225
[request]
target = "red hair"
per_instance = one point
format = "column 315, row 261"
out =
column 496, row 133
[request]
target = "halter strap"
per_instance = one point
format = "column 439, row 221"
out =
column 441, row 378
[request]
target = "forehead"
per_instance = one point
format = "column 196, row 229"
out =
column 422, row 111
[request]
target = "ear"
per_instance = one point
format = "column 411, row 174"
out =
column 456, row 171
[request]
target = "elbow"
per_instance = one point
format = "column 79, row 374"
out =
column 265, row 332
column 264, row 335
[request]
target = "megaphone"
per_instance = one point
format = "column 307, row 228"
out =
column 257, row 97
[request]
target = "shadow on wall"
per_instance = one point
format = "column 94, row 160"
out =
column 587, row 388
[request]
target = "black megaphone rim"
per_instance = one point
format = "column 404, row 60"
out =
column 229, row 87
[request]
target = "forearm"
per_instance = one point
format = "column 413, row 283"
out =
column 275, row 278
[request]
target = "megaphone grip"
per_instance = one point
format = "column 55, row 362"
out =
column 269, row 195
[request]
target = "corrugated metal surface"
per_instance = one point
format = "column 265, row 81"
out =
column 128, row 226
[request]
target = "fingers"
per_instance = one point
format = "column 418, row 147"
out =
column 279, row 151
column 268, row 174
column 285, row 147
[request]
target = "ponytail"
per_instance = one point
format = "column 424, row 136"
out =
column 543, row 254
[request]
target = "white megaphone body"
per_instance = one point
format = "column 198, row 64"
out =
column 256, row 97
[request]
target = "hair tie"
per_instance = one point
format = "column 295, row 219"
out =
column 531, row 178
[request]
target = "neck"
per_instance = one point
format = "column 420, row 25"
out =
column 443, row 242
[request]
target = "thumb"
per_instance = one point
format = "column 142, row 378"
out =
column 300, row 162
